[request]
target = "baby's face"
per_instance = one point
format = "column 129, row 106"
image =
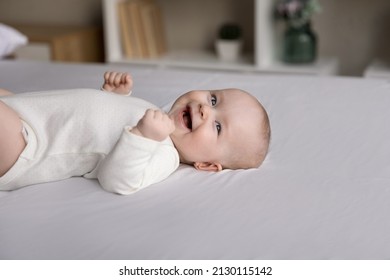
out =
column 211, row 123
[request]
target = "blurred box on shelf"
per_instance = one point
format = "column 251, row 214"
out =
column 378, row 70
column 61, row 43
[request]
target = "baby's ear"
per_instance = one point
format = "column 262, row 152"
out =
column 208, row 166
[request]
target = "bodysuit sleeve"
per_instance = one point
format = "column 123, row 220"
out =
column 136, row 162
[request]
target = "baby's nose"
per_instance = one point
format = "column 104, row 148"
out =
column 204, row 110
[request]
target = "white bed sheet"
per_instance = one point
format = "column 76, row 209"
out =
column 322, row 193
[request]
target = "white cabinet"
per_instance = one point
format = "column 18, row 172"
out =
column 262, row 59
column 378, row 70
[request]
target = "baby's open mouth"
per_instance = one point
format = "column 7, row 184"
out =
column 187, row 118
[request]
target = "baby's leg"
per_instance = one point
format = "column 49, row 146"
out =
column 11, row 138
column 4, row 92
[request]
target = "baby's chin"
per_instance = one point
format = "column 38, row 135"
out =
column 183, row 158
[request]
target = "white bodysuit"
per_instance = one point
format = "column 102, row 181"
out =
column 85, row 132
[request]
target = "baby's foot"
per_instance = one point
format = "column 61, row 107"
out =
column 117, row 82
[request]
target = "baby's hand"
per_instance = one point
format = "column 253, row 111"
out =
column 117, row 82
column 155, row 125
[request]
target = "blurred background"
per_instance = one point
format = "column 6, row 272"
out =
column 355, row 32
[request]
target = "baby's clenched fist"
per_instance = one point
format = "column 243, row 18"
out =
column 155, row 125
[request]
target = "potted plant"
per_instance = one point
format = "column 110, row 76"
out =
column 229, row 42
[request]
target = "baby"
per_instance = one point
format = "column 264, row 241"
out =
column 126, row 142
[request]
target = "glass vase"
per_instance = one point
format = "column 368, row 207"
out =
column 300, row 44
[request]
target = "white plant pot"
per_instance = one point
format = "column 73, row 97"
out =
column 228, row 50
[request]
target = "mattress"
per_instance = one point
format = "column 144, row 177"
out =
column 323, row 191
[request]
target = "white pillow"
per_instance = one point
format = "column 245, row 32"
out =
column 10, row 39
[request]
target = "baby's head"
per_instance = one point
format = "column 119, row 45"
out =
column 218, row 129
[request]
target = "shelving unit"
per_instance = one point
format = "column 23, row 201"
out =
column 261, row 60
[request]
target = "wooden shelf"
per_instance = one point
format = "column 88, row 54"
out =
column 193, row 59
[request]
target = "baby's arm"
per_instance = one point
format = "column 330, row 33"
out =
column 140, row 157
column 117, row 82
column 136, row 162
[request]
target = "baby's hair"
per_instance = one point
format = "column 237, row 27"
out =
column 253, row 155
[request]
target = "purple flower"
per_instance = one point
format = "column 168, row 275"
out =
column 296, row 11
column 294, row 7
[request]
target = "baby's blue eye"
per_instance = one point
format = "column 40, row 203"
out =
column 218, row 126
column 213, row 100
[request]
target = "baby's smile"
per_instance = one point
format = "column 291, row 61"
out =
column 183, row 119
column 187, row 118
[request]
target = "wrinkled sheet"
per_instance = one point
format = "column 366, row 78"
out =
column 322, row 193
